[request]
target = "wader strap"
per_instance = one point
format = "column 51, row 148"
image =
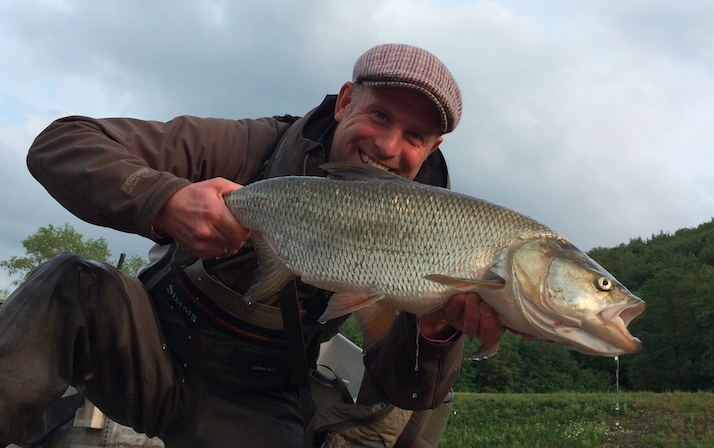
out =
column 296, row 347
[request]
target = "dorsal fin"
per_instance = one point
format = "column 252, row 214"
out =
column 357, row 171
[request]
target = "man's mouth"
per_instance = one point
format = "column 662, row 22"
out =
column 365, row 158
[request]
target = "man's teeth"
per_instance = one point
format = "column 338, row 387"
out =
column 367, row 160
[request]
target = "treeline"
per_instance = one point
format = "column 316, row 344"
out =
column 674, row 275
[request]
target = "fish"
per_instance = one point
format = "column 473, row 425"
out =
column 384, row 244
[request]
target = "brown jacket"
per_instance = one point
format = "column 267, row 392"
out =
column 119, row 172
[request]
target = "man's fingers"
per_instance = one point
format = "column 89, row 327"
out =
column 455, row 309
column 479, row 319
column 490, row 328
column 471, row 315
column 196, row 217
column 233, row 233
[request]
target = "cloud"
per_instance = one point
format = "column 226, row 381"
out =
column 592, row 117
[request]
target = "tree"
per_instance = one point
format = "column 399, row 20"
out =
column 132, row 264
column 49, row 241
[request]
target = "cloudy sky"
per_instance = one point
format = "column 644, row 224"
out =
column 593, row 117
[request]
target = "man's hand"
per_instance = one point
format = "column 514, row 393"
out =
column 465, row 312
column 468, row 313
column 197, row 218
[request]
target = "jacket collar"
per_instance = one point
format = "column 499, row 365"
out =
column 307, row 142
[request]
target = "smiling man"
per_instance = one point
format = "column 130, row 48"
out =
column 392, row 128
column 176, row 353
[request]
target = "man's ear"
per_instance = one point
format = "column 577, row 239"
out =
column 435, row 146
column 344, row 99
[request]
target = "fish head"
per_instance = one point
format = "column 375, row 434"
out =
column 572, row 301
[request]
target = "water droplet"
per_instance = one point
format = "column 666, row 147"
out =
column 414, row 395
column 418, row 333
column 617, row 382
column 163, row 346
column 189, row 336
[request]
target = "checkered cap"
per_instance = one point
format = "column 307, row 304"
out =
column 406, row 66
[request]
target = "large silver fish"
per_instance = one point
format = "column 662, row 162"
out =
column 383, row 243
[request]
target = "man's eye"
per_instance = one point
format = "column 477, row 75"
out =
column 381, row 115
column 416, row 136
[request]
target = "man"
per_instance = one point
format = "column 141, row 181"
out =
column 187, row 361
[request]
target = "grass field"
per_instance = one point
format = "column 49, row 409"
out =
column 581, row 420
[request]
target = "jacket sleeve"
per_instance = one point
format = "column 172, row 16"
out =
column 412, row 377
column 119, row 172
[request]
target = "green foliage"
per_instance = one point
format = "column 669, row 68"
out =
column 50, row 241
column 133, row 264
column 522, row 366
column 527, row 420
column 581, row 420
column 350, row 329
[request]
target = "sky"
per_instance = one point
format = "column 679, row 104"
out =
column 589, row 116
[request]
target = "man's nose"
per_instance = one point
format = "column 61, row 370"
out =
column 389, row 142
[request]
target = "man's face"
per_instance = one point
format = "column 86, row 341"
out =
column 392, row 128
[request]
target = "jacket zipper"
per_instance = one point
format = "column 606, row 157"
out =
column 304, row 164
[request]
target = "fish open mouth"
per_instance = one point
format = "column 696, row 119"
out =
column 619, row 317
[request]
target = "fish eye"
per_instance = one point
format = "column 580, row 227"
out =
column 604, row 284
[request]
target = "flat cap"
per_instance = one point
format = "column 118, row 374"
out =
column 401, row 65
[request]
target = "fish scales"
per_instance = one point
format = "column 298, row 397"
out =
column 383, row 243
column 378, row 235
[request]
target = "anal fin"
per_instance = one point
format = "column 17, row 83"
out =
column 484, row 352
column 374, row 318
column 343, row 303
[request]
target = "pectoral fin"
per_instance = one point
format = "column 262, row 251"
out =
column 272, row 275
column 375, row 321
column 488, row 280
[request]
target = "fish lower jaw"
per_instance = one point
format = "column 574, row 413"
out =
column 620, row 336
column 592, row 336
column 618, row 317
